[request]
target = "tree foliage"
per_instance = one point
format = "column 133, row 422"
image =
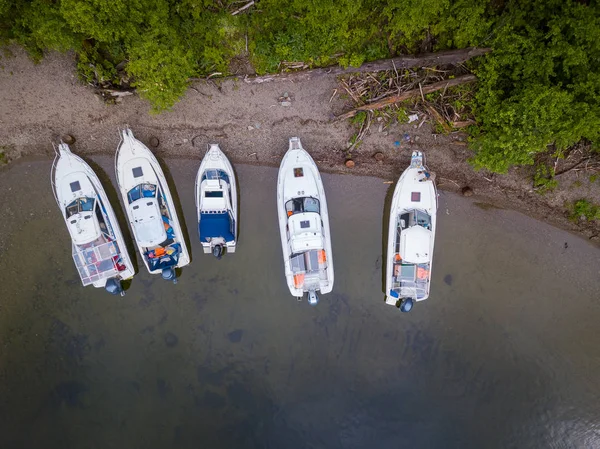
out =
column 538, row 90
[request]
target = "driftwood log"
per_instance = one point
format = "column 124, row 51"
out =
column 450, row 57
column 427, row 89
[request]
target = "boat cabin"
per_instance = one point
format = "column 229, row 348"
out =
column 146, row 215
column 412, row 255
column 81, row 222
column 152, row 226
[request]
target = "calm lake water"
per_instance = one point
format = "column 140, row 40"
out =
column 505, row 353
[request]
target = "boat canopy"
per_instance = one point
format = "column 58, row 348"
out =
column 215, row 225
column 415, row 244
column 147, row 220
column 96, row 261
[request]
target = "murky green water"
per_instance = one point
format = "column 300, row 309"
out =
column 505, row 353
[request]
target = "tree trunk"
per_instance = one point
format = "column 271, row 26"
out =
column 450, row 57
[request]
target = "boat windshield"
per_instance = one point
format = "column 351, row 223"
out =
column 215, row 174
column 83, row 204
column 300, row 205
column 141, row 190
column 414, row 218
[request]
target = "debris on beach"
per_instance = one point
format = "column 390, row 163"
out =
column 285, row 100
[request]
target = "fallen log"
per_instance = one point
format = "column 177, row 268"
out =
column 427, row 89
column 450, row 57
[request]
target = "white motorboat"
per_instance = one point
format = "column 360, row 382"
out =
column 150, row 208
column 304, row 224
column 98, row 246
column 216, row 203
column 411, row 236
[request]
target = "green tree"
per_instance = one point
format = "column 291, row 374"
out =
column 540, row 87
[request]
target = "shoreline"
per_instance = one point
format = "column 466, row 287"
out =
column 479, row 200
column 41, row 102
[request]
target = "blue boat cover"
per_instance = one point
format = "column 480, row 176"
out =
column 215, row 225
column 160, row 263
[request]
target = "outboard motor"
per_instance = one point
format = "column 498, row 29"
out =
column 113, row 287
column 406, row 304
column 313, row 299
column 218, row 251
column 168, row 274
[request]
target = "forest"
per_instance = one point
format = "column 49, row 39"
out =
column 538, row 90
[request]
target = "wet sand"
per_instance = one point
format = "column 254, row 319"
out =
column 503, row 354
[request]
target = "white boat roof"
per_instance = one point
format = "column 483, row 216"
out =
column 415, row 244
column 305, row 232
column 83, row 227
column 210, row 203
column 213, row 204
column 147, row 221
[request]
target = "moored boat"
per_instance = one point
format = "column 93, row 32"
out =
column 216, row 203
column 411, row 236
column 304, row 224
column 150, row 208
column 98, row 247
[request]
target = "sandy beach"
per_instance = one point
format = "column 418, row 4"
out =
column 39, row 103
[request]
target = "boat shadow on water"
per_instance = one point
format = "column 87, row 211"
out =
column 177, row 205
column 385, row 224
column 114, row 200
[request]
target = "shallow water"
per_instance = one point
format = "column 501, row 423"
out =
column 505, row 352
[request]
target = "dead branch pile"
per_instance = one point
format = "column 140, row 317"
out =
column 436, row 93
column 377, row 91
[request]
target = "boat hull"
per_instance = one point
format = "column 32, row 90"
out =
column 413, row 191
column 215, row 160
column 68, row 167
column 288, row 189
column 131, row 149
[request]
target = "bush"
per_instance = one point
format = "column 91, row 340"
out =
column 584, row 209
column 540, row 87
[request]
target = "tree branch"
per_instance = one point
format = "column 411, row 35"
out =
column 427, row 89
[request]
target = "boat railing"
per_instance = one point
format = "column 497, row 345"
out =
column 53, row 172
column 409, row 289
column 295, row 143
column 95, row 263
